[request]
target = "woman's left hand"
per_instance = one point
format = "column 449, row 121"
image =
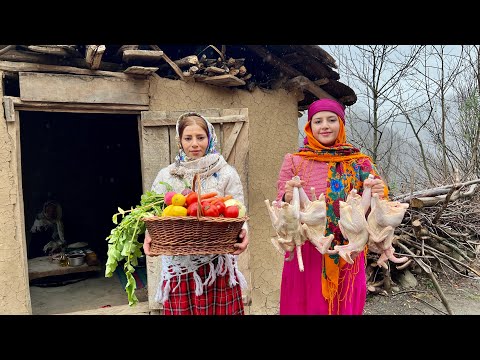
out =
column 378, row 187
column 241, row 246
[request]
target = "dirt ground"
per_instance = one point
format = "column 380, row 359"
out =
column 462, row 294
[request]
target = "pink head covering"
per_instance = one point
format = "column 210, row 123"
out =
column 326, row 105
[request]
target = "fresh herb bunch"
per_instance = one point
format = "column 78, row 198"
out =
column 123, row 239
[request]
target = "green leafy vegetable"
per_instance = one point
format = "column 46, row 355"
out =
column 123, row 242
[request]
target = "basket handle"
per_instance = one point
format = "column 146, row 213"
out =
column 197, row 184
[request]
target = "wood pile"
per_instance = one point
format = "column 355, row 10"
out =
column 219, row 71
column 439, row 233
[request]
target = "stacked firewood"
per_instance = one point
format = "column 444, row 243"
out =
column 200, row 68
column 219, row 66
column 440, row 232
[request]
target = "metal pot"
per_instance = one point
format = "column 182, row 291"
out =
column 76, row 259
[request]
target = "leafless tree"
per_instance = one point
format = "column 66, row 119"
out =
column 440, row 74
column 376, row 72
column 466, row 126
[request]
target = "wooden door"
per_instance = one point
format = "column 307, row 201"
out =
column 158, row 149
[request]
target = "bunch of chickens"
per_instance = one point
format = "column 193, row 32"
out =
column 304, row 219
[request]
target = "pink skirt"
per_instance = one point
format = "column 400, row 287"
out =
column 301, row 292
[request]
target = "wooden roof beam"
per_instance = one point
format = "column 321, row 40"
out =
column 11, row 66
column 93, row 55
column 174, row 66
column 299, row 80
column 142, row 55
column 122, row 48
column 320, row 54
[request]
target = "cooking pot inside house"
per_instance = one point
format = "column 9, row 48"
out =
column 76, row 259
column 77, row 246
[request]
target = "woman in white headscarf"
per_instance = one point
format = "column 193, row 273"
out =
column 47, row 231
column 200, row 284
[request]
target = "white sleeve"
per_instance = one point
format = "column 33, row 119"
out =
column 161, row 177
column 234, row 187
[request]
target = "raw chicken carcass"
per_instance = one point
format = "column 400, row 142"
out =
column 302, row 220
column 384, row 217
column 353, row 223
column 313, row 217
column 285, row 219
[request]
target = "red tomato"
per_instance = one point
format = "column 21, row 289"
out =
column 209, row 210
column 221, row 207
column 231, row 211
column 191, row 198
column 192, row 209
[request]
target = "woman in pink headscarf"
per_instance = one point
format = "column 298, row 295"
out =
column 328, row 284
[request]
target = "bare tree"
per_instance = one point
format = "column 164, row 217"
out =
column 437, row 77
column 468, row 97
column 376, row 71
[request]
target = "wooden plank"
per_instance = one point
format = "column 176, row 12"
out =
column 303, row 84
column 19, row 212
column 82, row 89
column 154, row 155
column 41, row 267
column 232, row 138
column 9, row 108
column 215, row 70
column 174, row 66
column 157, row 120
column 189, row 61
column 141, row 308
column 141, row 70
column 219, row 131
column 49, row 49
column 322, row 81
column 122, row 48
column 143, row 55
column 221, row 80
column 173, row 147
column 6, row 49
column 29, row 57
column 93, row 55
column 66, row 107
column 30, row 67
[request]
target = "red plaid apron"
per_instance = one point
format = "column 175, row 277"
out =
column 217, row 299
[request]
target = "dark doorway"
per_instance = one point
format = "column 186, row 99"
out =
column 89, row 163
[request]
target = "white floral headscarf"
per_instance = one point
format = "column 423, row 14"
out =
column 207, row 165
column 212, row 138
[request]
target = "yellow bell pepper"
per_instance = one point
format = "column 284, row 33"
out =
column 174, row 210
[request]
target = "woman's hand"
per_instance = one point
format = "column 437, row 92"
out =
column 146, row 244
column 289, row 185
column 241, row 246
column 378, row 187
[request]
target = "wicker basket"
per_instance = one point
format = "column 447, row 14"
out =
column 193, row 235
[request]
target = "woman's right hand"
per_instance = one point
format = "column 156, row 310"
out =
column 146, row 244
column 289, row 185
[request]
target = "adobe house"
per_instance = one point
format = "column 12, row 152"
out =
column 91, row 125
